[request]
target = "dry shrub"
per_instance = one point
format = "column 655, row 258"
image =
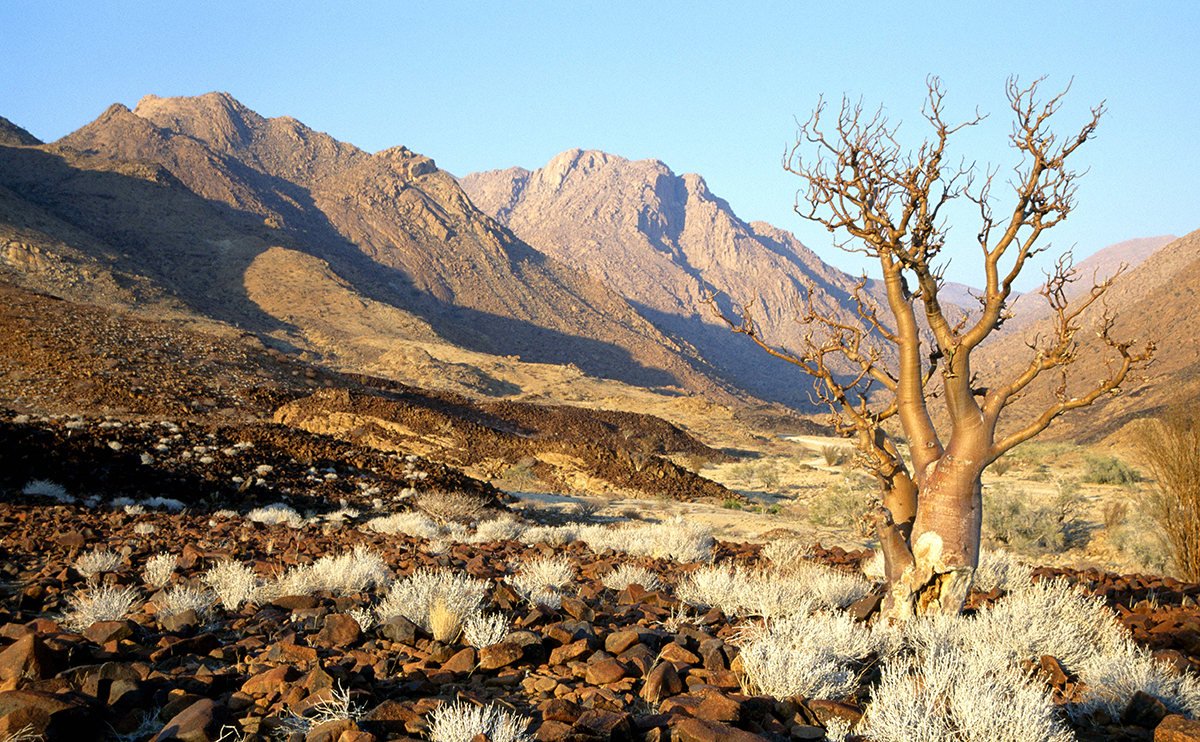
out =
column 1002, row 465
column 833, row 455
column 1170, row 449
column 1114, row 513
column 452, row 507
column 444, row 622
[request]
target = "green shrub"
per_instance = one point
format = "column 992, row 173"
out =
column 743, row 473
column 1011, row 517
column 731, row 504
column 1109, row 470
column 842, row 505
column 1002, row 465
column 769, row 476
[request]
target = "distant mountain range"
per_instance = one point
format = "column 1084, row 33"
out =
column 200, row 210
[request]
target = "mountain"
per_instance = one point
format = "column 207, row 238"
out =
column 1100, row 265
column 657, row 239
column 11, row 134
column 201, row 209
column 1156, row 300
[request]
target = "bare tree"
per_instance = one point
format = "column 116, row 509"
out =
column 889, row 204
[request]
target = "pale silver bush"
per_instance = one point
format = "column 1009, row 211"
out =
column 1047, row 617
column 144, row 529
column 873, row 568
column 94, row 562
column 678, row 539
column 166, row 503
column 276, row 514
column 483, row 631
column 544, row 596
column 365, row 618
column 550, row 535
column 345, row 574
column 159, row 568
column 830, row 587
column 181, row 598
column 1000, row 568
column 412, row 523
column 951, row 695
column 544, row 575
column 1113, row 677
column 461, row 722
column 787, row 553
column 631, row 574
column 504, row 528
column 456, row 532
column 99, row 603
column 808, row 655
column 738, row 591
column 234, row 583
column 837, row 729
column 49, row 489
column 415, row 596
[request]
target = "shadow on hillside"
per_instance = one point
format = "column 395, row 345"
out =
column 150, row 224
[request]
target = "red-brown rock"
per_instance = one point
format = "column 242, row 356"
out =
column 199, row 722
column 696, row 730
column 1175, row 728
column 340, row 631
column 28, row 657
column 606, row 671
column 462, row 662
column 500, row 655
column 660, row 683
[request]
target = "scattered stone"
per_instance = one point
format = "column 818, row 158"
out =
column 1144, row 710
column 199, row 722
column 500, row 655
column 1175, row 728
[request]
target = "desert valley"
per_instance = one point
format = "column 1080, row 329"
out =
column 300, row 442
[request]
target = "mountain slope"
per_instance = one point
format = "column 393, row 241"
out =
column 657, row 238
column 220, row 213
column 1099, row 266
column 1155, row 301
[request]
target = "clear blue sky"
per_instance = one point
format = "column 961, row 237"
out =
column 712, row 88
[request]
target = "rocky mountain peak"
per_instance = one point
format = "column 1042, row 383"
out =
column 656, row 237
column 282, row 147
column 215, row 118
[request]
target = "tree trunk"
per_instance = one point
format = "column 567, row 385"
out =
column 945, row 540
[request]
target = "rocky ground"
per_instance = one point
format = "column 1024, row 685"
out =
column 606, row 664
column 142, row 439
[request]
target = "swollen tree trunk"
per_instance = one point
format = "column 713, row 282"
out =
column 886, row 204
column 945, row 540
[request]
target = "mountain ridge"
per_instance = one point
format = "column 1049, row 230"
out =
column 389, row 232
column 661, row 240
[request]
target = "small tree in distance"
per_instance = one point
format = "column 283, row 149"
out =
column 888, row 204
